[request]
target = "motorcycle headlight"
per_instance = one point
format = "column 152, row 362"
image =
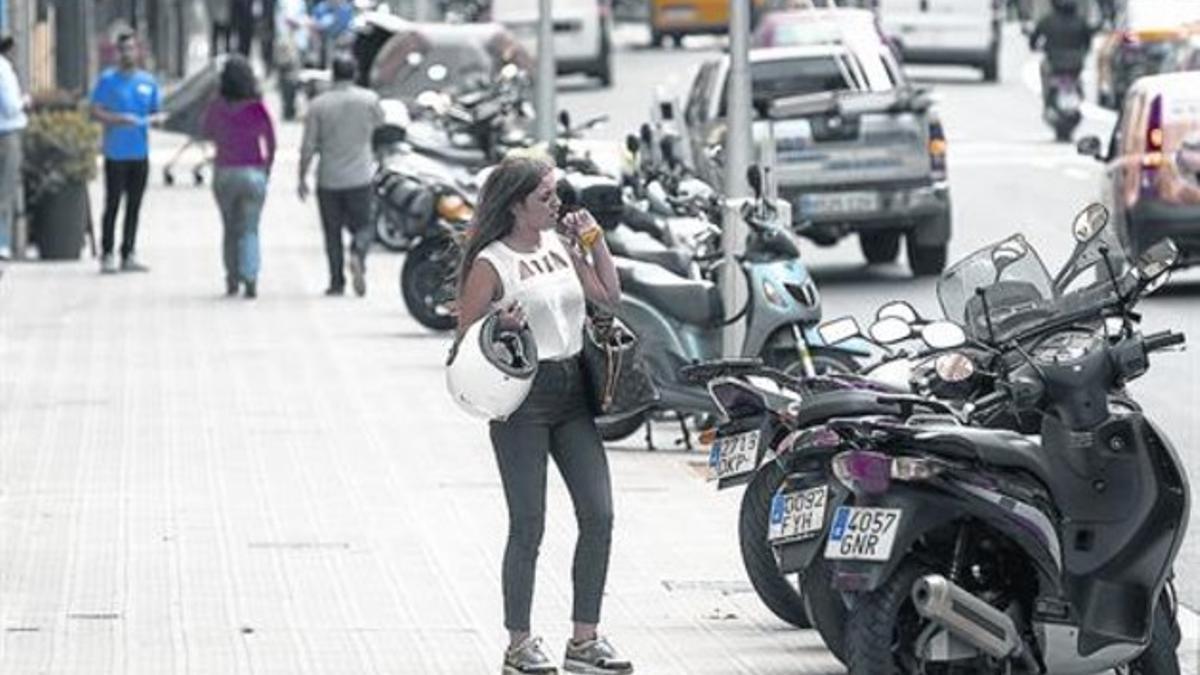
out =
column 773, row 296
column 454, row 208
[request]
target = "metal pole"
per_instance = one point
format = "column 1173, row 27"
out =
column 738, row 141
column 545, row 73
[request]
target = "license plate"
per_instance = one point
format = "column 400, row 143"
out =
column 837, row 203
column 861, row 533
column 733, row 455
column 797, row 514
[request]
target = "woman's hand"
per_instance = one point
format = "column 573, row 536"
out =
column 511, row 317
column 579, row 221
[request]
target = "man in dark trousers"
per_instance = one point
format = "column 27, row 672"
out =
column 338, row 127
column 125, row 101
column 242, row 17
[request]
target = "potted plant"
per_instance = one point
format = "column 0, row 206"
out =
column 60, row 147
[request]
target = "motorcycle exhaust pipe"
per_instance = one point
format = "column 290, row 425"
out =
column 968, row 617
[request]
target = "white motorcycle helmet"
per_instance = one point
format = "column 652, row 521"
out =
column 490, row 370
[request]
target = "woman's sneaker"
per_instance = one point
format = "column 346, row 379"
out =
column 595, row 656
column 527, row 657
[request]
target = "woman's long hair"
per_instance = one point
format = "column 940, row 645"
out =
column 238, row 82
column 511, row 181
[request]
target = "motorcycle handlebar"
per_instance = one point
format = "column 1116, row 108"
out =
column 1163, row 340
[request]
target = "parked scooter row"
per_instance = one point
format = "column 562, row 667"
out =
column 1015, row 512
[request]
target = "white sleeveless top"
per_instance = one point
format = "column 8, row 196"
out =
column 545, row 284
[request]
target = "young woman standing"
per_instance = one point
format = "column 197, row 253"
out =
column 516, row 263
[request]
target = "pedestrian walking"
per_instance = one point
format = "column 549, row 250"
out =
column 332, row 20
column 125, row 101
column 12, row 122
column 242, row 20
column 240, row 128
column 516, row 264
column 338, row 127
column 220, row 30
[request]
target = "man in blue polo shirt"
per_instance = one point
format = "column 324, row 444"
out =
column 125, row 101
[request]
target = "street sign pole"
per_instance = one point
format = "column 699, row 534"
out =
column 738, row 147
column 545, row 73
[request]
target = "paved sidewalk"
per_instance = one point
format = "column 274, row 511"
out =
column 196, row 484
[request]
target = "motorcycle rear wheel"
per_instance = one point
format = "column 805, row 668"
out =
column 778, row 591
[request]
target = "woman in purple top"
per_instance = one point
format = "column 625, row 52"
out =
column 239, row 125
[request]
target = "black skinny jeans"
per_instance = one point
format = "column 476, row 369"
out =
column 122, row 178
column 554, row 421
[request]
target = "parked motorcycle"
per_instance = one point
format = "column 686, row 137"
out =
column 678, row 319
column 941, row 540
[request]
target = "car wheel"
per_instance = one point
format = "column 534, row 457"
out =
column 656, row 39
column 991, row 67
column 677, row 38
column 925, row 260
column 879, row 247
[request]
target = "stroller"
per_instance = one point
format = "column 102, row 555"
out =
column 185, row 108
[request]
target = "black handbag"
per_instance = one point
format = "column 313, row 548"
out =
column 618, row 383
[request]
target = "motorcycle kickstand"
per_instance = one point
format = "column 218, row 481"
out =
column 649, row 436
column 687, row 435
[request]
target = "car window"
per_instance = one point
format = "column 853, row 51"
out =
column 771, row 80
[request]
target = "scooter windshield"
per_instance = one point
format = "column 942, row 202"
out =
column 1004, row 284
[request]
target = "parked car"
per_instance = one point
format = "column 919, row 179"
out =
column 794, row 27
column 1145, row 33
column 677, row 18
column 582, row 33
column 1151, row 182
column 858, row 150
column 960, row 32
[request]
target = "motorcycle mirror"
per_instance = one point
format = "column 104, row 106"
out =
column 437, row 72
column 899, row 309
column 632, row 144
column 889, row 330
column 646, row 134
column 1089, row 146
column 943, row 335
column 564, row 119
column 414, row 58
column 754, row 178
column 1156, row 262
column 839, row 330
column 1089, row 222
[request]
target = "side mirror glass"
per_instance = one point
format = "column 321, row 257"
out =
column 437, row 72
column 1154, row 265
column 839, row 330
column 889, row 330
column 900, row 310
column 1089, row 146
column 1090, row 221
column 632, row 144
column 564, row 119
column 646, row 134
column 943, row 335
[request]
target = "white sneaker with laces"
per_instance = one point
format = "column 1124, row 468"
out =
column 595, row 657
column 527, row 658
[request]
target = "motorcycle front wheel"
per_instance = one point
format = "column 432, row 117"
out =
column 427, row 282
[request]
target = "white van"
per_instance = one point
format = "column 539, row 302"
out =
column 582, row 33
column 965, row 32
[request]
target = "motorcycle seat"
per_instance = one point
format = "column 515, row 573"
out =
column 995, row 447
column 470, row 157
column 691, row 301
column 626, row 244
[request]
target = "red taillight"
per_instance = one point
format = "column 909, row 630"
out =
column 1152, row 158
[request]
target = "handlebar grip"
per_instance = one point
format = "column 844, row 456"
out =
column 1163, row 340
